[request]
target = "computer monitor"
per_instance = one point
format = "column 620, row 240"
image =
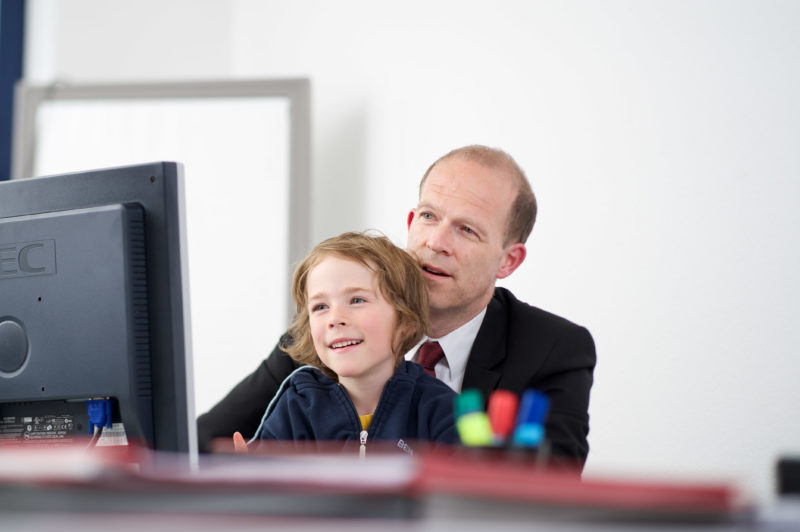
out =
column 94, row 309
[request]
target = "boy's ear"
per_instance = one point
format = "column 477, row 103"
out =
column 403, row 331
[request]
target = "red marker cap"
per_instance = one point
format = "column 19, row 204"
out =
column 502, row 411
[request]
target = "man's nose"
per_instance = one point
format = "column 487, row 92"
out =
column 440, row 239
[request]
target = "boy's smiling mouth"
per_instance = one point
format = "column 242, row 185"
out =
column 339, row 344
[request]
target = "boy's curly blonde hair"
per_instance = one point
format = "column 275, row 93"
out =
column 400, row 281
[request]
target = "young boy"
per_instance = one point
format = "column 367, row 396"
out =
column 362, row 303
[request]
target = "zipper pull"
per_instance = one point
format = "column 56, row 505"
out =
column 362, row 451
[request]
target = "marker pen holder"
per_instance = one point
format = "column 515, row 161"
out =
column 506, row 432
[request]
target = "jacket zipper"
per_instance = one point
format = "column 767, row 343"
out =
column 362, row 451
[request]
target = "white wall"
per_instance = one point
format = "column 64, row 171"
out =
column 660, row 137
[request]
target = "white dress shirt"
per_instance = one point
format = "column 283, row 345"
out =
column 456, row 346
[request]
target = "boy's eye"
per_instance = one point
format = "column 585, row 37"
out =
column 358, row 299
column 318, row 306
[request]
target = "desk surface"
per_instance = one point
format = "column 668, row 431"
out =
column 394, row 491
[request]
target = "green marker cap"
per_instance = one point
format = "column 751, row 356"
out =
column 468, row 401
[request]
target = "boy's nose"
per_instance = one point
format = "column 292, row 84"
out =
column 337, row 319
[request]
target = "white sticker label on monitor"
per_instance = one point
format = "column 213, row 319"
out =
column 113, row 435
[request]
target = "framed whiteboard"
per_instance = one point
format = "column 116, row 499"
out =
column 244, row 146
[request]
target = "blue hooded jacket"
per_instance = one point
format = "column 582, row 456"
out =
column 311, row 406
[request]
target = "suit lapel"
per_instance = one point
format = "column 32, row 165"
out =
column 488, row 353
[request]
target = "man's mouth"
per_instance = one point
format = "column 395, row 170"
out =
column 434, row 271
column 344, row 343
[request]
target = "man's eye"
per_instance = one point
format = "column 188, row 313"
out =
column 468, row 230
column 426, row 215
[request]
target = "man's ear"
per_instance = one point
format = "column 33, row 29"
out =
column 513, row 257
column 411, row 217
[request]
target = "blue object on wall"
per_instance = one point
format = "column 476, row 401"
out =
column 12, row 35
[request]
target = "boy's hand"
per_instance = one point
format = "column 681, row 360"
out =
column 239, row 445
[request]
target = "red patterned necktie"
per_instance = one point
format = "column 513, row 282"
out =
column 429, row 354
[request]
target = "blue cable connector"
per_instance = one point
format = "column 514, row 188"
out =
column 99, row 413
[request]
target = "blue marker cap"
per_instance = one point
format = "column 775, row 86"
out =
column 533, row 409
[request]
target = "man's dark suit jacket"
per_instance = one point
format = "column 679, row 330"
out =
column 518, row 347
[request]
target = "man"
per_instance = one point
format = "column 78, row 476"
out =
column 475, row 213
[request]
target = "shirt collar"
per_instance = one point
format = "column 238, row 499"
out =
column 456, row 346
